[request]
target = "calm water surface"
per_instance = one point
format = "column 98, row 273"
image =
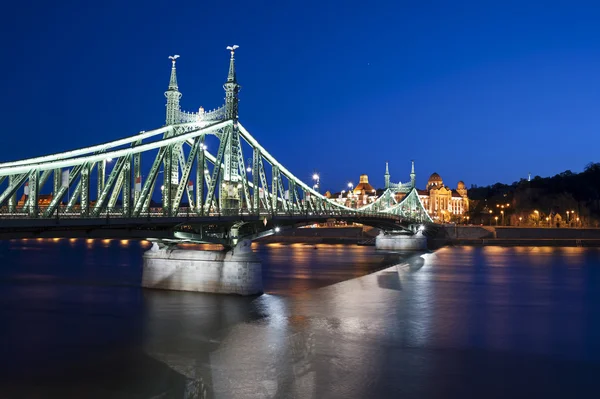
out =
column 469, row 322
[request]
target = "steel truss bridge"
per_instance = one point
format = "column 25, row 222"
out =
column 107, row 190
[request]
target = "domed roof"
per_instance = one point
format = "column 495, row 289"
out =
column 435, row 177
column 461, row 185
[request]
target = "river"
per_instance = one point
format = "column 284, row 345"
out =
column 337, row 321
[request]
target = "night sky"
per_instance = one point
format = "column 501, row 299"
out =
column 472, row 91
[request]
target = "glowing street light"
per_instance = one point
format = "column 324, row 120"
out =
column 317, row 180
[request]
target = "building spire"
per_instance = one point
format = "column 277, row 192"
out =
column 231, row 87
column 173, row 80
column 231, row 76
column 412, row 173
column 173, row 95
column 387, row 176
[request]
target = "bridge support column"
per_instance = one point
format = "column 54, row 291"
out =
column 401, row 241
column 235, row 271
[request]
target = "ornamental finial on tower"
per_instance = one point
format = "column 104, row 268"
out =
column 412, row 173
column 173, row 80
column 231, row 77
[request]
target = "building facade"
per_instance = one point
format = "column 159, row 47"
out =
column 441, row 202
column 356, row 197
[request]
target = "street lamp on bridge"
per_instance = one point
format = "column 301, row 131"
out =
column 317, row 180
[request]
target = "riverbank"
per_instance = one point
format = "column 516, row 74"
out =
column 516, row 236
column 449, row 235
column 526, row 242
column 323, row 235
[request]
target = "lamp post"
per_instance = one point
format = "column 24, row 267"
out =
column 496, row 217
column 317, row 180
column 502, row 213
column 547, row 221
column 537, row 214
column 490, row 217
column 520, row 218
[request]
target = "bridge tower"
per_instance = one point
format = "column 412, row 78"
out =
column 387, row 176
column 171, row 164
column 412, row 174
column 231, row 187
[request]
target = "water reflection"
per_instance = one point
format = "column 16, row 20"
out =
column 460, row 322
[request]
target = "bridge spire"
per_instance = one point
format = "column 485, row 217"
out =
column 231, row 87
column 231, row 195
column 412, row 173
column 173, row 95
column 387, row 176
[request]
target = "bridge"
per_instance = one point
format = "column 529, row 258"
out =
column 107, row 190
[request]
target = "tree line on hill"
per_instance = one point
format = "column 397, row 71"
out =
column 564, row 199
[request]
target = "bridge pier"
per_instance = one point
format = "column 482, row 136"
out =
column 404, row 241
column 233, row 271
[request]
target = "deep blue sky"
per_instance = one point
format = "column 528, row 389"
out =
column 473, row 91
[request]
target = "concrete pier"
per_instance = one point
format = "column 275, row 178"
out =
column 236, row 271
column 401, row 242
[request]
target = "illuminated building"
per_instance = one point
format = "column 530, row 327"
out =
column 441, row 202
column 356, row 197
column 43, row 200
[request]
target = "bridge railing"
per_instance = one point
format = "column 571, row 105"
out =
column 64, row 212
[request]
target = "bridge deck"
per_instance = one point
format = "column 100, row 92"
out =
column 155, row 225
